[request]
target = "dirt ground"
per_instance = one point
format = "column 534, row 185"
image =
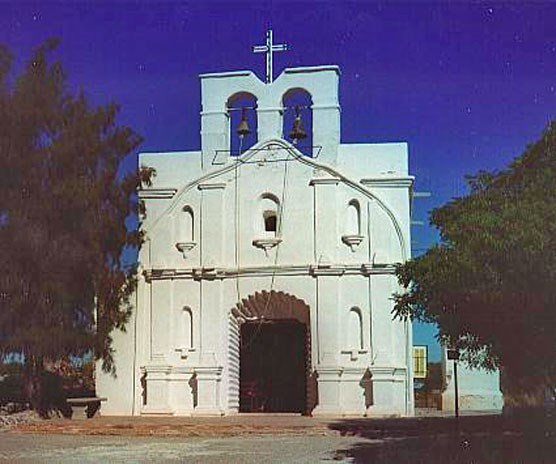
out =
column 16, row 447
column 244, row 424
column 476, row 439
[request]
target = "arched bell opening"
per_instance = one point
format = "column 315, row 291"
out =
column 242, row 111
column 270, row 355
column 297, row 123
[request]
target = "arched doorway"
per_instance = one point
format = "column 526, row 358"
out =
column 272, row 354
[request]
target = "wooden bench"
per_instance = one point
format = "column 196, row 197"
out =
column 83, row 408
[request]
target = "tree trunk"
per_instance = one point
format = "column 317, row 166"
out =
column 33, row 384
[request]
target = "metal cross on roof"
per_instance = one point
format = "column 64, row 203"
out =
column 269, row 48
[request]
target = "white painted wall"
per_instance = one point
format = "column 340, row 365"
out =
column 316, row 256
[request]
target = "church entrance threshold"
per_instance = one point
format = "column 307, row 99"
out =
column 273, row 366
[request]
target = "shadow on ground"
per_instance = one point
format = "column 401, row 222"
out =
column 468, row 440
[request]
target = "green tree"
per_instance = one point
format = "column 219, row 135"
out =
column 63, row 212
column 490, row 284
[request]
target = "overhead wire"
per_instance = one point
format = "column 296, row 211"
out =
column 279, row 228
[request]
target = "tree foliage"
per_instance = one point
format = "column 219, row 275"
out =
column 63, row 211
column 490, row 284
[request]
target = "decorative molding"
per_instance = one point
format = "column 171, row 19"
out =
column 209, row 372
column 373, row 268
column 354, row 354
column 270, row 109
column 155, row 370
column 185, row 247
column 157, row 194
column 163, row 371
column 352, row 241
column 327, row 270
column 266, row 243
column 389, row 182
column 214, row 112
column 208, row 273
column 212, row 186
column 184, row 352
column 211, row 273
column 326, row 107
column 388, row 373
column 311, row 162
column 329, row 373
column 324, row 181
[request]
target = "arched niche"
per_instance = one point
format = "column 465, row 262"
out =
column 184, row 332
column 298, row 98
column 242, row 105
column 353, row 218
column 187, row 224
column 352, row 236
column 355, row 330
column 184, row 230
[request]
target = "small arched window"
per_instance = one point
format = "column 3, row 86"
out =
column 270, row 221
column 269, row 218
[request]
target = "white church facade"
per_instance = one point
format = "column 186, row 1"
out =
column 267, row 274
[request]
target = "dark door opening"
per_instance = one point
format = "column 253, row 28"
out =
column 272, row 366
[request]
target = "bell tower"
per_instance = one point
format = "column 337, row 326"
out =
column 319, row 82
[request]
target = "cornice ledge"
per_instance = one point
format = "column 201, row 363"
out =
column 182, row 370
column 155, row 369
column 324, row 181
column 387, row 372
column 212, row 186
column 392, row 182
column 158, row 194
column 212, row 273
column 324, row 369
column 327, row 270
column 208, row 273
column 370, row 268
column 161, row 274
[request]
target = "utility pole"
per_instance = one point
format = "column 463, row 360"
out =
column 454, row 356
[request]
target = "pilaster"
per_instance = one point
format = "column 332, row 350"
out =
column 212, row 223
column 155, row 378
column 328, row 378
column 326, row 220
column 208, row 381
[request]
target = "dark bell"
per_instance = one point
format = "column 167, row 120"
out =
column 298, row 131
column 243, row 128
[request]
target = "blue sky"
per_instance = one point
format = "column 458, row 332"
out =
column 468, row 86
